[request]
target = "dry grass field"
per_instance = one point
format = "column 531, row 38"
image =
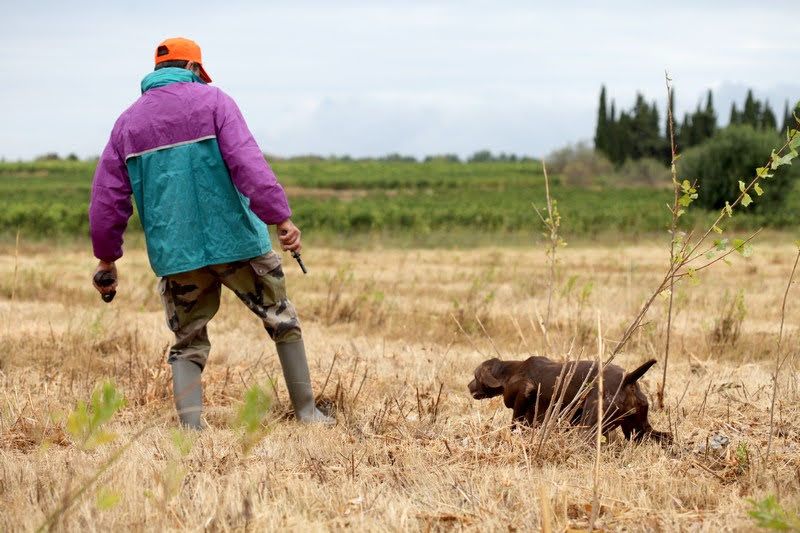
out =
column 412, row 450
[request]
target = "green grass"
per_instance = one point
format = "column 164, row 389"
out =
column 407, row 203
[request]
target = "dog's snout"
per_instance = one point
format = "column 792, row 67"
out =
column 475, row 390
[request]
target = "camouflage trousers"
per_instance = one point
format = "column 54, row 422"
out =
column 191, row 299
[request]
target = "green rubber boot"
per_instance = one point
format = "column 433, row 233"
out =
column 298, row 382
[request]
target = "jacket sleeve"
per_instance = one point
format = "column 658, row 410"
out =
column 250, row 172
column 110, row 206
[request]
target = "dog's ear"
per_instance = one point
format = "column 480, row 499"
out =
column 486, row 373
column 633, row 376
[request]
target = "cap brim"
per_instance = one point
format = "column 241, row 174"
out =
column 204, row 75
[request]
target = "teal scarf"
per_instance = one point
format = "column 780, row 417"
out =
column 165, row 76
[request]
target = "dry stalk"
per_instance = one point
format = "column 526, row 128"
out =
column 778, row 357
column 491, row 340
column 467, row 335
column 599, row 440
column 16, row 268
column 551, row 418
column 676, row 188
column 552, row 224
column 547, row 512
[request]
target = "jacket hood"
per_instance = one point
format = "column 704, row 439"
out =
column 165, row 76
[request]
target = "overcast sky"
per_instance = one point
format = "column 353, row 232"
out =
column 368, row 78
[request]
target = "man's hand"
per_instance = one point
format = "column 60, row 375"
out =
column 289, row 235
column 102, row 266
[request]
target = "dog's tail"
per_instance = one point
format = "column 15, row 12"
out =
column 633, row 376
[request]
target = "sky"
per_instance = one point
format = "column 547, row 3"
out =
column 371, row 78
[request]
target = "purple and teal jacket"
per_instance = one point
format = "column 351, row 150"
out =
column 203, row 190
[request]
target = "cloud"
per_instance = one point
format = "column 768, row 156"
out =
column 368, row 78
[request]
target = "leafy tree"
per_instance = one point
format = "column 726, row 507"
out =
column 449, row 158
column 398, row 158
column 768, row 120
column 731, row 155
column 481, row 156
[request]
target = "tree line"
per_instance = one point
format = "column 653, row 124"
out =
column 637, row 133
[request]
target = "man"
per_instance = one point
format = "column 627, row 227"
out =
column 205, row 195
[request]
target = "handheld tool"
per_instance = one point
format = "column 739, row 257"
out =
column 299, row 259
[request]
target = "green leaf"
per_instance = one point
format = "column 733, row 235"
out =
column 758, row 189
column 778, row 161
column 716, row 228
column 794, row 141
column 721, row 245
column 741, row 186
column 728, row 209
column 744, row 248
column 746, row 200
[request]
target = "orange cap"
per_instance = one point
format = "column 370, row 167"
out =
column 180, row 49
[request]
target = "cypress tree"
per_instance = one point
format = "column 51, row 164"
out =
column 687, row 130
column 710, row 124
column 735, row 118
column 638, row 128
column 656, row 148
column 613, row 134
column 788, row 120
column 601, row 132
column 623, row 139
column 768, row 120
column 751, row 113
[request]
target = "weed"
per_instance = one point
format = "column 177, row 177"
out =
column 728, row 324
column 769, row 514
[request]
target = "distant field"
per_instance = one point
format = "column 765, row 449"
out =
column 404, row 202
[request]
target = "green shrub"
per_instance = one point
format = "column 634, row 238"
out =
column 646, row 171
column 579, row 164
column 731, row 155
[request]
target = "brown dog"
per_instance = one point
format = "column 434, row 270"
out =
column 528, row 387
